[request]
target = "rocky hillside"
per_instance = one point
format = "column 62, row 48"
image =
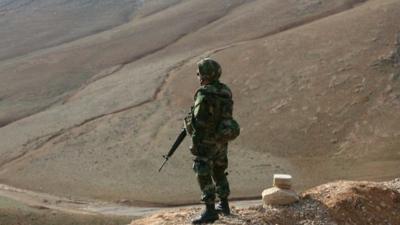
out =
column 89, row 104
column 337, row 203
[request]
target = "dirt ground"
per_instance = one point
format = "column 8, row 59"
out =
column 315, row 82
column 336, row 203
column 16, row 213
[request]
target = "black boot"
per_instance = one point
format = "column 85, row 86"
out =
column 223, row 207
column 208, row 216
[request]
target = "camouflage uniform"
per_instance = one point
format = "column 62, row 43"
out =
column 211, row 126
column 213, row 102
column 212, row 105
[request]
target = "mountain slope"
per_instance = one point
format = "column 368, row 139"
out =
column 311, row 85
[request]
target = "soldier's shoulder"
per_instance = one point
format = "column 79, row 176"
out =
column 207, row 89
column 220, row 89
column 226, row 87
column 224, row 90
column 201, row 92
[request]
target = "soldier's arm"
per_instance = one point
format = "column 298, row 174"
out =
column 202, row 114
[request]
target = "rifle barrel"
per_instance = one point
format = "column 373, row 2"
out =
column 165, row 161
column 178, row 141
column 176, row 144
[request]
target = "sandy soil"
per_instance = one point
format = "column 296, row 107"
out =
column 336, row 203
column 315, row 87
column 16, row 213
column 19, row 206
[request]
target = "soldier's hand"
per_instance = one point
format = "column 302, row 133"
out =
column 194, row 150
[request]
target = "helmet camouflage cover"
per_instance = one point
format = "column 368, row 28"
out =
column 209, row 69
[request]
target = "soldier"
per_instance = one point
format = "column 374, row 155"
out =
column 211, row 126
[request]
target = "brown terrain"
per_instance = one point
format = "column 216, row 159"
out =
column 92, row 93
column 342, row 202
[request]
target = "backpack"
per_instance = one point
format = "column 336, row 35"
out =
column 227, row 128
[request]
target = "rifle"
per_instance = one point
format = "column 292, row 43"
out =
column 176, row 144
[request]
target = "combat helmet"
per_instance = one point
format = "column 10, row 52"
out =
column 209, row 69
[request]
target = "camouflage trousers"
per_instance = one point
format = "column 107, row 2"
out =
column 210, row 172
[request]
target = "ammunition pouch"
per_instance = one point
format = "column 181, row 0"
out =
column 227, row 130
column 204, row 150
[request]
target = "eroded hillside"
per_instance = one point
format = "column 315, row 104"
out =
column 315, row 86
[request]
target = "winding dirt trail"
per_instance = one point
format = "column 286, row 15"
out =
column 46, row 201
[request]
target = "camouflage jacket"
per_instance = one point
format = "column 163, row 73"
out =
column 212, row 104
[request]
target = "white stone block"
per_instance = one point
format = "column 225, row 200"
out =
column 283, row 181
column 277, row 196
